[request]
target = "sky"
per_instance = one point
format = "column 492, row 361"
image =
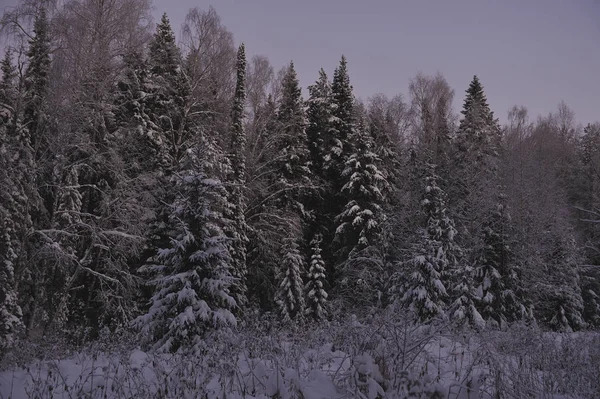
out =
column 526, row 52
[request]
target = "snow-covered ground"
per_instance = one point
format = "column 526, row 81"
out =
column 374, row 358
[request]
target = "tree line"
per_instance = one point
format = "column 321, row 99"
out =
column 175, row 188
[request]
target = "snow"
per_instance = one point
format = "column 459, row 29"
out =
column 293, row 365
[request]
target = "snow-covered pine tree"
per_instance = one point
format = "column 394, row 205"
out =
column 433, row 255
column 291, row 173
column 193, row 276
column 164, row 54
column 36, row 83
column 478, row 134
column 320, row 202
column 316, row 296
column 561, row 305
column 474, row 163
column 14, row 224
column 319, row 112
column 8, row 90
column 166, row 89
column 386, row 139
column 359, row 223
column 498, row 278
column 290, row 290
column 338, row 146
column 238, row 231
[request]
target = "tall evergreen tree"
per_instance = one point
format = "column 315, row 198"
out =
column 164, row 54
column 194, row 276
column 343, row 126
column 359, row 223
column 497, row 277
column 561, row 304
column 291, row 171
column 433, row 256
column 167, row 89
column 290, row 295
column 8, row 90
column 239, row 229
column 14, row 226
column 316, row 296
column 36, row 83
column 319, row 112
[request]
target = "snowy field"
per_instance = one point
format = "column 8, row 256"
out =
column 379, row 357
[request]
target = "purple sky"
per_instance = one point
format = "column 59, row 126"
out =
column 529, row 52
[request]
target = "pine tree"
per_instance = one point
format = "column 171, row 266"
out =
column 239, row 229
column 463, row 309
column 194, row 277
column 291, row 171
column 318, row 132
column 36, row 83
column 13, row 228
column 290, row 296
column 164, row 54
column 497, row 276
column 319, row 112
column 167, row 89
column 433, row 255
column 359, row 223
column 343, row 126
column 562, row 306
column 7, row 89
column 477, row 145
column 478, row 133
column 316, row 296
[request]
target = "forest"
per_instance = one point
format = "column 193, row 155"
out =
column 168, row 196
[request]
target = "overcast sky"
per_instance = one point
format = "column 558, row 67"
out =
column 527, row 52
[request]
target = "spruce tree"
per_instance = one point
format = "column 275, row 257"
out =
column 238, row 231
column 433, row 255
column 290, row 295
column 359, row 223
column 36, row 83
column 14, row 227
column 497, row 275
column 316, row 296
column 319, row 112
column 562, row 307
column 7, row 89
column 164, row 54
column 318, row 133
column 343, row 126
column 193, row 277
column 291, row 172
column 167, row 89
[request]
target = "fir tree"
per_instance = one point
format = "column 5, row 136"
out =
column 478, row 132
column 194, row 277
column 290, row 296
column 497, row 277
column 168, row 89
column 291, row 172
column 239, row 229
column 321, row 200
column 319, row 112
column 7, row 89
column 316, row 296
column 36, row 82
column 164, row 54
column 434, row 254
column 13, row 228
column 359, row 223
column 343, row 126
column 562, row 306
